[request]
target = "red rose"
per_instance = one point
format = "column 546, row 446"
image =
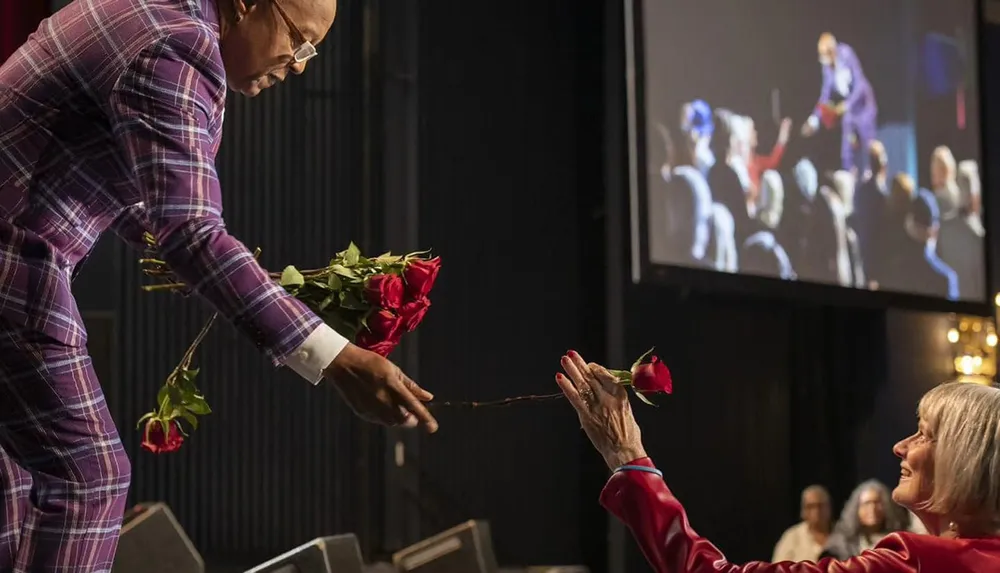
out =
column 369, row 341
column 385, row 325
column 652, row 377
column 155, row 441
column 420, row 275
column 385, row 291
column 413, row 312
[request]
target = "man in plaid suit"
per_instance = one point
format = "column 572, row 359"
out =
column 110, row 118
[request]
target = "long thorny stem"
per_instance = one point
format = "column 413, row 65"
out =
column 501, row 403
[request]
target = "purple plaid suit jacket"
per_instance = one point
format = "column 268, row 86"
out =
column 110, row 117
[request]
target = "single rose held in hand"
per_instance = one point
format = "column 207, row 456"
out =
column 648, row 376
column 371, row 301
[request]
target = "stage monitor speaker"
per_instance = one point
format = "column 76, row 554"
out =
column 465, row 548
column 152, row 541
column 334, row 554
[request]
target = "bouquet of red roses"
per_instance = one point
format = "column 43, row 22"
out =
column 371, row 301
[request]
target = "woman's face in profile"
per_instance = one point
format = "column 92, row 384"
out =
column 871, row 514
column 916, row 475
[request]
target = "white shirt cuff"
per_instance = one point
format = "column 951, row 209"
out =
column 813, row 121
column 318, row 350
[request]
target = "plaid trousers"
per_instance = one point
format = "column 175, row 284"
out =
column 63, row 471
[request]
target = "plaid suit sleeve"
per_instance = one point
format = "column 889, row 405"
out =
column 162, row 109
column 130, row 228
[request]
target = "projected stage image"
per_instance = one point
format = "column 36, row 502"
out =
column 834, row 142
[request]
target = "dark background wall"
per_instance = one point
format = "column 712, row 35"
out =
column 513, row 190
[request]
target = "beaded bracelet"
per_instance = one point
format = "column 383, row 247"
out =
column 639, row 469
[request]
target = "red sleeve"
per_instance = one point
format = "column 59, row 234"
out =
column 642, row 501
column 772, row 161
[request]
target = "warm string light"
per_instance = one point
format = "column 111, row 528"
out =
column 973, row 340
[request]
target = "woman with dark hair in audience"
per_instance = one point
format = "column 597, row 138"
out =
column 949, row 477
column 725, row 179
column 868, row 516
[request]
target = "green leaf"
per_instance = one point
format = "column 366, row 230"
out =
column 644, row 399
column 174, row 397
column 327, row 301
column 321, row 285
column 144, row 418
column 351, row 255
column 344, row 271
column 162, row 394
column 165, row 424
column 191, row 419
column 334, row 282
column 291, row 277
column 624, row 376
column 198, row 405
column 641, row 358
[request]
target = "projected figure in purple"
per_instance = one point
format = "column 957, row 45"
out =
column 847, row 96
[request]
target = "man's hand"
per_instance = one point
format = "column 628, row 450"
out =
column 808, row 129
column 378, row 391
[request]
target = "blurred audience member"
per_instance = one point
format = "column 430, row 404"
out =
column 960, row 241
column 944, row 182
column 697, row 124
column 757, row 164
column 869, row 218
column 805, row 540
column 914, row 224
column 763, row 255
column 868, row 516
column 724, row 177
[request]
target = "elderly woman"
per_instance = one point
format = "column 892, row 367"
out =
column 868, row 516
column 949, row 478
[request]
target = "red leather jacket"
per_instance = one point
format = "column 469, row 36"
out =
column 658, row 521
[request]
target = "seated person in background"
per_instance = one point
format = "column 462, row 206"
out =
column 871, row 200
column 868, row 516
column 839, row 262
column 948, row 478
column 798, row 224
column 762, row 255
column 805, row 540
column 697, row 125
column 724, row 177
column 772, row 200
column 944, row 182
column 682, row 212
column 723, row 240
column 688, row 210
column 960, row 243
column 913, row 228
column 844, row 184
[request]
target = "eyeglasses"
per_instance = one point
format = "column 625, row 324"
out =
column 305, row 50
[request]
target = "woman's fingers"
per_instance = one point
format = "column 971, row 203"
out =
column 575, row 375
column 572, row 395
column 584, row 370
